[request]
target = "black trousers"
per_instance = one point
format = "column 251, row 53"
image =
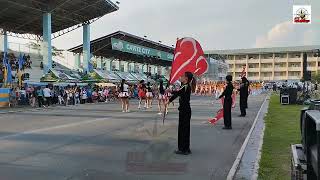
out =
column 247, row 101
column 40, row 100
column 243, row 105
column 227, row 105
column 184, row 130
column 48, row 101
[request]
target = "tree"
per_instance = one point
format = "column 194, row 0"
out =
column 37, row 46
column 315, row 78
column 56, row 51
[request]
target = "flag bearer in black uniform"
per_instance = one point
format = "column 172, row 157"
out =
column 227, row 105
column 244, row 93
column 188, row 85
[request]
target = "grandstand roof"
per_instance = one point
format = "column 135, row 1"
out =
column 25, row 17
column 103, row 47
column 265, row 50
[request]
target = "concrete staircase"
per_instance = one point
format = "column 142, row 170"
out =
column 35, row 72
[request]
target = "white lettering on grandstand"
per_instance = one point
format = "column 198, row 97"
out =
column 138, row 49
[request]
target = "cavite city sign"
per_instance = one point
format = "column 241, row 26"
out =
column 125, row 46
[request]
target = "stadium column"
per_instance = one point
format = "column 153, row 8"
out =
column 301, row 71
column 234, row 67
column 99, row 63
column 163, row 71
column 143, row 68
column 46, row 44
column 118, row 65
column 140, row 68
column 287, row 66
column 108, row 64
column 155, row 70
column 86, row 47
column 5, row 42
column 148, row 68
column 317, row 64
column 77, row 61
column 126, row 66
column 247, row 66
column 260, row 67
column 273, row 66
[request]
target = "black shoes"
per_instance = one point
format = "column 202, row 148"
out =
column 183, row 152
column 227, row 128
column 242, row 115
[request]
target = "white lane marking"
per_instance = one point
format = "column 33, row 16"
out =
column 236, row 163
column 53, row 128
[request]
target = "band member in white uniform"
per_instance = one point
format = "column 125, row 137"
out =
column 161, row 97
column 149, row 95
column 124, row 96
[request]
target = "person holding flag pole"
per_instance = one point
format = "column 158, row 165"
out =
column 20, row 69
column 9, row 74
column 7, row 71
column 4, row 63
column 188, row 61
column 227, row 103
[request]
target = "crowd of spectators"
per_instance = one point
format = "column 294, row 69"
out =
column 55, row 95
column 14, row 61
column 44, row 96
column 14, row 64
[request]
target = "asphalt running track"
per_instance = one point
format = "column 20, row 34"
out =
column 97, row 141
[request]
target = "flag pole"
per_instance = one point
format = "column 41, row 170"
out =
column 166, row 106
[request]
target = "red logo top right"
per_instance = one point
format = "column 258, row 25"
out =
column 301, row 14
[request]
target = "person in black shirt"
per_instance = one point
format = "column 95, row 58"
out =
column 227, row 103
column 161, row 97
column 244, row 93
column 188, row 86
column 149, row 95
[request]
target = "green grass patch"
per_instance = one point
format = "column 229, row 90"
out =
column 282, row 129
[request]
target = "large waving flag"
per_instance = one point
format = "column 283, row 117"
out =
column 188, row 57
column 4, row 63
column 20, row 62
column 20, row 69
column 244, row 71
column 220, row 113
column 5, row 59
column 9, row 74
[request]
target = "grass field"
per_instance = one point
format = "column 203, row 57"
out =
column 282, row 130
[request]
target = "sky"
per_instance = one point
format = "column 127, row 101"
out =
column 216, row 24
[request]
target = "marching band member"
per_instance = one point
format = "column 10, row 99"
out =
column 142, row 93
column 124, row 96
column 149, row 95
column 227, row 103
column 188, row 86
column 244, row 93
column 161, row 97
column 168, row 95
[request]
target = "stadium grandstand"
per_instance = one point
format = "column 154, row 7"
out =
column 132, row 57
column 47, row 20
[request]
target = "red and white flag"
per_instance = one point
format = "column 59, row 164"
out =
column 188, row 57
column 218, row 117
column 244, row 72
column 220, row 113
